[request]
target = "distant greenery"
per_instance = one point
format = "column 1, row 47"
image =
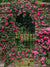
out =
column 15, row 0
column 5, row 1
column 46, row 0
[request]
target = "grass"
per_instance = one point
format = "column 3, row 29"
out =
column 28, row 40
column 48, row 61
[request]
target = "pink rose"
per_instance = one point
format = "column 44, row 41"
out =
column 32, row 51
column 13, row 54
column 36, row 52
column 9, row 54
column 22, row 39
column 35, row 48
column 13, row 58
column 8, row 3
column 34, row 6
column 11, row 14
column 12, row 49
column 11, row 21
column 26, row 5
column 15, row 9
column 1, row 44
column 28, row 50
column 38, row 13
column 35, row 2
column 21, row 62
column 10, row 10
column 13, row 29
column 44, row 47
column 1, row 39
column 22, row 52
column 2, row 49
column 42, row 4
column 16, row 29
column 6, row 18
column 6, row 23
column 47, row 18
column 34, row 57
column 31, row 56
column 13, row 25
column 43, row 58
column 18, row 2
column 44, row 65
column 20, row 12
column 42, row 22
column 17, row 57
column 8, row 27
column 32, row 11
column 2, row 27
column 48, row 29
column 33, row 21
column 21, row 6
column 23, row 11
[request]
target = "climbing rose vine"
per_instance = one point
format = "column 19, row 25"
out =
column 43, row 41
column 9, row 27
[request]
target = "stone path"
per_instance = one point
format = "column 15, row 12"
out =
column 15, row 65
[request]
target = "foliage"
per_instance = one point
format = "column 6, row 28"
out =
column 46, row 0
column 43, row 39
column 5, row 1
column 21, row 14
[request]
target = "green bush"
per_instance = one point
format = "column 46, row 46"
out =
column 46, row 0
column 6, row 0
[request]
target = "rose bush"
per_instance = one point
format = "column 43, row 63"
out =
column 43, row 41
column 23, row 14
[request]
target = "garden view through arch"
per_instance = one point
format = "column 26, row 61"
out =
column 26, row 30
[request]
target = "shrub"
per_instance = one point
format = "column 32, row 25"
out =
column 9, row 28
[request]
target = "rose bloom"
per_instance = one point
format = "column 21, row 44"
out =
column 15, row 9
column 33, row 21
column 2, row 27
column 10, row 10
column 36, row 52
column 43, row 58
column 9, row 54
column 31, row 56
column 8, row 3
column 32, row 51
column 44, row 65
column 13, row 58
column 48, row 29
column 28, row 50
column 17, row 57
column 22, row 39
column 18, row 2
column 35, row 2
column 32, row 11
column 8, row 27
column 34, row 6
column 21, row 6
column 42, row 4
column 12, row 49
